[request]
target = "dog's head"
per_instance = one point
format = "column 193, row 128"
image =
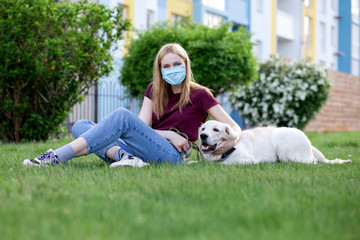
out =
column 211, row 134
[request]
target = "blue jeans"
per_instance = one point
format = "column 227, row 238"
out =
column 124, row 129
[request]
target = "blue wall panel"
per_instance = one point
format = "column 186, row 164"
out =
column 162, row 10
column 238, row 11
column 344, row 61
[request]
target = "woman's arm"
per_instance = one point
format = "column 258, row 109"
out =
column 179, row 142
column 146, row 111
column 219, row 114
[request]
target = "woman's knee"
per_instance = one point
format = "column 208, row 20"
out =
column 122, row 112
column 80, row 127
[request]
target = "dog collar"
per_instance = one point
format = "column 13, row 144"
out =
column 227, row 154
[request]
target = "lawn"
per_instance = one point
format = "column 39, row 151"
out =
column 85, row 199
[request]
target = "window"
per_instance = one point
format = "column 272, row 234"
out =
column 333, row 4
column 333, row 36
column 212, row 20
column 355, row 38
column 124, row 11
column 355, row 67
column 307, row 31
column 259, row 5
column 216, row 4
column 355, row 11
column 332, row 66
column 175, row 17
column 322, row 36
column 124, row 16
column 235, row 26
column 323, row 6
column 150, row 18
column 258, row 49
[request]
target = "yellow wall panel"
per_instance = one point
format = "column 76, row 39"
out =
column 182, row 8
column 308, row 50
column 273, row 28
column 130, row 14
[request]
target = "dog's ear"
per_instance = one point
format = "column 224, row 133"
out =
column 232, row 135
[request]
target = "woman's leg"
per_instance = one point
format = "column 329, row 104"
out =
column 141, row 139
column 107, row 152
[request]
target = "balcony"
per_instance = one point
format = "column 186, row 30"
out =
column 284, row 26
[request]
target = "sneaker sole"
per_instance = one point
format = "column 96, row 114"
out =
column 27, row 162
column 119, row 164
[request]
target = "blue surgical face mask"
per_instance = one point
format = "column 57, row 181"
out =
column 175, row 75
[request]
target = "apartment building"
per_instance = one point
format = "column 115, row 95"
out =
column 323, row 31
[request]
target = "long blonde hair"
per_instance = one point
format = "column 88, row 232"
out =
column 160, row 89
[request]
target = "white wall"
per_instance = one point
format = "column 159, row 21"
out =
column 327, row 56
column 260, row 26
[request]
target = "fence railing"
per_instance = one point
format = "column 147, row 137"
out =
column 101, row 101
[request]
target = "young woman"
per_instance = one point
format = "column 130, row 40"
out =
column 172, row 100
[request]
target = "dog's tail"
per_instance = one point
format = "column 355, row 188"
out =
column 320, row 158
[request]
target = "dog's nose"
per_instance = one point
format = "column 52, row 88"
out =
column 203, row 136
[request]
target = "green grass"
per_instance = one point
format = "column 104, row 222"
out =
column 85, row 199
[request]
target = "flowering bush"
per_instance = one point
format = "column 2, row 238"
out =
column 285, row 94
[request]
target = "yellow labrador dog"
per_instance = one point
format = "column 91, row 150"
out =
column 263, row 144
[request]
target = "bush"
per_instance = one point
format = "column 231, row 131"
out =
column 286, row 94
column 220, row 59
column 51, row 53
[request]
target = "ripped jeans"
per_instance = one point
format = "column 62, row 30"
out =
column 123, row 128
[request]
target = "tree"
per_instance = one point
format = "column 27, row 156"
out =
column 51, row 54
column 220, row 58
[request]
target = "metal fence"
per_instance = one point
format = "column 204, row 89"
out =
column 101, row 101
column 110, row 95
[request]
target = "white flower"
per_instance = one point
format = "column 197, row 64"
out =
column 265, row 107
column 289, row 112
column 314, row 88
column 262, row 76
column 296, row 119
column 300, row 95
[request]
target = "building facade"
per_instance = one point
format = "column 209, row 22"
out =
column 323, row 31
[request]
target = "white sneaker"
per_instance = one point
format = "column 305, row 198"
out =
column 48, row 158
column 129, row 161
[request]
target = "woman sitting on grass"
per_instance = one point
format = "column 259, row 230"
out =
column 172, row 100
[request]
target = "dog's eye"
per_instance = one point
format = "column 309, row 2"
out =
column 216, row 130
column 202, row 129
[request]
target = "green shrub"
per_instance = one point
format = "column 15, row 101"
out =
column 51, row 53
column 220, row 58
column 286, row 94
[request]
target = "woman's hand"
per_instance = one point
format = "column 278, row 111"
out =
column 179, row 142
column 224, row 146
column 219, row 114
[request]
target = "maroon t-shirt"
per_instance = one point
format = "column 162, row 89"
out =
column 191, row 116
